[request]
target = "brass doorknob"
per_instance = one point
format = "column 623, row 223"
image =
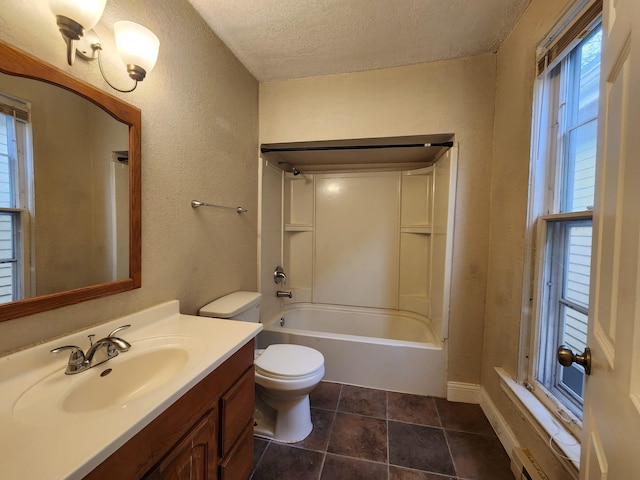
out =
column 566, row 357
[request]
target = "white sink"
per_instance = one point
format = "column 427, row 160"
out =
column 54, row 425
column 148, row 365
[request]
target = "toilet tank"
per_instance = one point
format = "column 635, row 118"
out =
column 244, row 306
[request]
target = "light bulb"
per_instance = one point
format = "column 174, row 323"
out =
column 137, row 47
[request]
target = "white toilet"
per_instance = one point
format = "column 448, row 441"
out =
column 285, row 374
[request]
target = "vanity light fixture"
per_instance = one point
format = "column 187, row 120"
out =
column 74, row 17
column 137, row 46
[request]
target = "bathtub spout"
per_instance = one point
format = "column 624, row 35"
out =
column 281, row 294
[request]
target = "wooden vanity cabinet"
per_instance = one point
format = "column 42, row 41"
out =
column 207, row 434
column 194, row 457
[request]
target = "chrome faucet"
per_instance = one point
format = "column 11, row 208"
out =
column 99, row 352
column 281, row 294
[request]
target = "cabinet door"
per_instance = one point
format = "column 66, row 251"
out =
column 236, row 411
column 194, row 457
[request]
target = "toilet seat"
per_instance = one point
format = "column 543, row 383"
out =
column 289, row 361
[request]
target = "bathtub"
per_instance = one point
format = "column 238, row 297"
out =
column 375, row 348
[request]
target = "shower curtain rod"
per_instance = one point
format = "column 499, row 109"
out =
column 355, row 147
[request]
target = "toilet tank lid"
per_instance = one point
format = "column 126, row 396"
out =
column 230, row 305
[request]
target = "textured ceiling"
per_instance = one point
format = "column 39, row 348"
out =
column 285, row 39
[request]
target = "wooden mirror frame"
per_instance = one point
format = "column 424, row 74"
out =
column 17, row 63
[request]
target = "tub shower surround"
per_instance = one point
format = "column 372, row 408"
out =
column 367, row 258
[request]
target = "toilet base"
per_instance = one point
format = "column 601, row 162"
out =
column 290, row 423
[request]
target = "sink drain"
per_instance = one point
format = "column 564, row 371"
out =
column 106, row 372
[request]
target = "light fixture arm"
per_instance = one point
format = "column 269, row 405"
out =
column 97, row 47
column 71, row 31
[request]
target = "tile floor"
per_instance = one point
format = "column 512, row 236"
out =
column 365, row 434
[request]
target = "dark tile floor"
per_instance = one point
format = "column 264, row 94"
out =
column 365, row 434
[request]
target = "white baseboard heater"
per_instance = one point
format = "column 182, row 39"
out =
column 524, row 467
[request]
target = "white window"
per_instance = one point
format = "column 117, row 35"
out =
column 564, row 153
column 14, row 200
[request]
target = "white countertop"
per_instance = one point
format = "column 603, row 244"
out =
column 70, row 445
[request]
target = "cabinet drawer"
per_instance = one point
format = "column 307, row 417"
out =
column 236, row 410
column 238, row 464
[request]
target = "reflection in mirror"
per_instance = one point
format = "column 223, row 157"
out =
column 69, row 189
column 63, row 191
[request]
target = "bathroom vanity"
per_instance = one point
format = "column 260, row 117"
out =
column 178, row 404
column 206, row 434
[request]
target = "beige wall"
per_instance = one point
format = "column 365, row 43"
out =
column 199, row 141
column 454, row 96
column 509, row 194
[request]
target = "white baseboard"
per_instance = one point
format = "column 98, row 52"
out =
column 463, row 392
column 497, row 421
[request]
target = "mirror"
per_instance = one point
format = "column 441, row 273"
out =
column 78, row 235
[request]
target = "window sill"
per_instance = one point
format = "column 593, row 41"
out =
column 543, row 421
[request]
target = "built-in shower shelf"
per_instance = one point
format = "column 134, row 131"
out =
column 297, row 227
column 420, row 229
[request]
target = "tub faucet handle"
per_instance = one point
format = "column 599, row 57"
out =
column 279, row 276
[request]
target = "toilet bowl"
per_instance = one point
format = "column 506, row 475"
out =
column 284, row 374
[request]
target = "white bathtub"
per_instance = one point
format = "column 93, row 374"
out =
column 385, row 349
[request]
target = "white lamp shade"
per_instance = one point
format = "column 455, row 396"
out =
column 85, row 12
column 136, row 45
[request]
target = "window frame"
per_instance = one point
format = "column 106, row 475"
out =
column 22, row 211
column 547, row 151
column 539, row 314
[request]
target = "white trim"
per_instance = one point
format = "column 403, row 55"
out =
column 498, row 423
column 567, row 217
column 544, row 423
column 261, row 166
column 463, row 392
column 451, row 225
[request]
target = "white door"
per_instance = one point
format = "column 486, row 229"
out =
column 611, row 443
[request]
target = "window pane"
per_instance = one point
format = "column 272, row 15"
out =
column 7, row 274
column 571, row 379
column 581, row 128
column 581, row 168
column 577, row 263
column 6, row 148
column 8, row 264
column 4, row 135
column 575, row 329
column 587, row 61
column 567, row 280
